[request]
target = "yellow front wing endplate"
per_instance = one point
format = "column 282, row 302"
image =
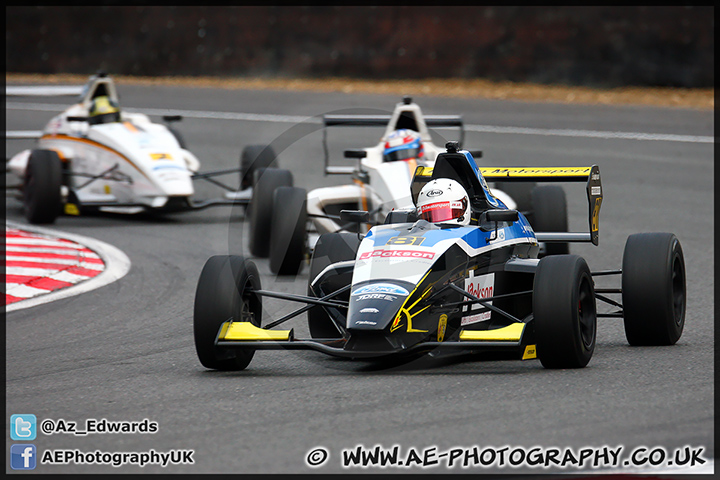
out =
column 246, row 331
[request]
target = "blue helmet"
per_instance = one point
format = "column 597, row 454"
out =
column 403, row 144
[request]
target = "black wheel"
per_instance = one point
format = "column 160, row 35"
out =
column 549, row 214
column 520, row 192
column 261, row 208
column 222, row 293
column 564, row 312
column 253, row 158
column 653, row 289
column 179, row 137
column 288, row 232
column 330, row 248
column 41, row 188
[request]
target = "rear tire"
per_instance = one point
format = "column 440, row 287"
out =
column 288, row 237
column 330, row 248
column 564, row 312
column 261, row 208
column 222, row 294
column 520, row 192
column 653, row 289
column 549, row 214
column 41, row 187
column 254, row 158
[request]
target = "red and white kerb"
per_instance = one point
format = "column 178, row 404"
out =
column 37, row 264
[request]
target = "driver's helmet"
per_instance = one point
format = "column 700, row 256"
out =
column 403, row 144
column 443, row 200
column 103, row 110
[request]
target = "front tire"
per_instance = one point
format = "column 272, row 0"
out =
column 653, row 289
column 261, row 208
column 288, row 237
column 564, row 312
column 41, row 188
column 222, row 294
column 330, row 248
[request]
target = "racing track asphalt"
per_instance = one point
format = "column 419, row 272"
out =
column 125, row 351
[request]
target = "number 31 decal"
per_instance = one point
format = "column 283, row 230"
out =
column 405, row 240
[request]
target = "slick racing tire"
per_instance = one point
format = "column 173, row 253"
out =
column 564, row 312
column 653, row 289
column 330, row 248
column 261, row 208
column 520, row 192
column 179, row 137
column 41, row 187
column 288, row 231
column 222, row 293
column 549, row 214
column 254, row 158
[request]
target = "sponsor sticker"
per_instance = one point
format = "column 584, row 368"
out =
column 384, row 288
column 530, row 352
column 379, row 252
column 369, row 310
column 439, row 205
column 481, row 286
column 376, row 296
column 442, row 326
column 365, row 322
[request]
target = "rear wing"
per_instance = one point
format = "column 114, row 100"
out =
column 43, row 90
column 99, row 84
column 37, row 91
column 436, row 121
column 407, row 115
column 591, row 175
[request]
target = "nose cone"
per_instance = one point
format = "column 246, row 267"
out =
column 373, row 304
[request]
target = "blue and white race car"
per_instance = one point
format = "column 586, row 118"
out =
column 285, row 221
column 458, row 273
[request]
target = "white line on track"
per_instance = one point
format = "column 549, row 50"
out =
column 117, row 264
column 256, row 117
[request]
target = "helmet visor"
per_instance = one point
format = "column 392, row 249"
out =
column 104, row 118
column 401, row 154
column 443, row 211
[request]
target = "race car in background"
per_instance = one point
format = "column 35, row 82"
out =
column 467, row 283
column 285, row 221
column 96, row 156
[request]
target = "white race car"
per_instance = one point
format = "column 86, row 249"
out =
column 95, row 156
column 286, row 221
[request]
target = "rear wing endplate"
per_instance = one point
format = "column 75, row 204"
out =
column 591, row 175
